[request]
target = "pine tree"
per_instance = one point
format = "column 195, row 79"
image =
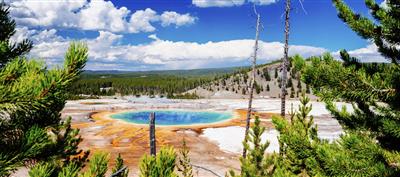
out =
column 299, row 87
column 276, row 73
column 97, row 165
column 365, row 84
column 364, row 90
column 372, row 88
column 384, row 31
column 32, row 98
column 268, row 88
column 266, row 75
column 302, row 153
column 162, row 165
column 119, row 164
column 289, row 83
column 97, row 168
column 184, row 165
column 296, row 139
column 292, row 93
column 257, row 87
column 255, row 164
column 298, row 63
column 279, row 82
column 10, row 50
column 245, row 78
column 308, row 89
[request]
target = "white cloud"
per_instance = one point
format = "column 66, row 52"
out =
column 141, row 21
column 102, row 46
column 106, row 50
column 367, row 54
column 47, row 44
column 170, row 18
column 35, row 35
column 46, row 36
column 229, row 3
column 154, row 37
column 46, row 13
column 102, row 15
column 217, row 3
column 92, row 15
column 263, row 2
column 51, row 52
column 22, row 33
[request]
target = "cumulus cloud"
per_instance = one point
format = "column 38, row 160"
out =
column 92, row 15
column 107, row 51
column 22, row 33
column 141, row 21
column 46, row 13
column 229, row 3
column 102, row 15
column 102, row 47
column 173, row 18
column 36, row 36
column 189, row 55
column 46, row 36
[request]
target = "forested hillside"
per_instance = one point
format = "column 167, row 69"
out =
column 267, row 85
column 199, row 83
column 164, row 83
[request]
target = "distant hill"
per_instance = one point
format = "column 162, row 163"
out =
column 207, row 72
column 267, row 84
column 168, row 83
column 229, row 82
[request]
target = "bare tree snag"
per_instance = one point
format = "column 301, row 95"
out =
column 285, row 59
column 152, row 131
column 253, row 77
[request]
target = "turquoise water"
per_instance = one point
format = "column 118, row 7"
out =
column 173, row 117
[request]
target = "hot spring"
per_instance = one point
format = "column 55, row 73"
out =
column 173, row 117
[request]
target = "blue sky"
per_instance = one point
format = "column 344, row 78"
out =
column 183, row 34
column 318, row 26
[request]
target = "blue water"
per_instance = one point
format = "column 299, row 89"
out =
column 173, row 117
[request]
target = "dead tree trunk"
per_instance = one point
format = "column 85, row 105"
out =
column 152, row 131
column 285, row 59
column 253, row 77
